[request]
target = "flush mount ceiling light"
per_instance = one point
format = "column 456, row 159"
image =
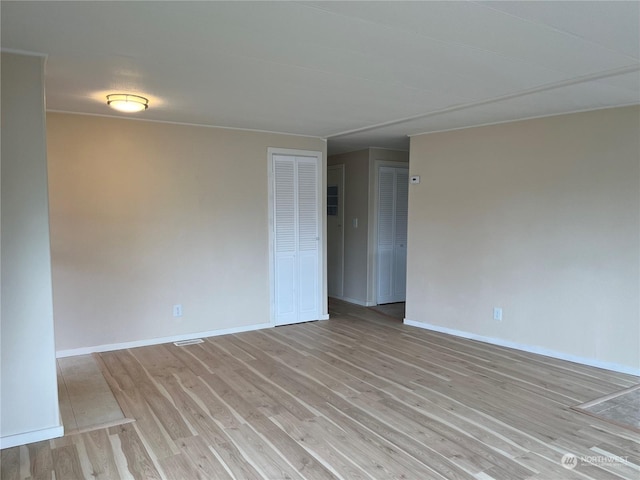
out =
column 127, row 103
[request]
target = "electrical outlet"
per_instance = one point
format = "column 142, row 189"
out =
column 177, row 310
column 497, row 314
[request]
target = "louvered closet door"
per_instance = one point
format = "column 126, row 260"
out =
column 308, row 239
column 385, row 233
column 296, row 238
column 393, row 190
column 285, row 239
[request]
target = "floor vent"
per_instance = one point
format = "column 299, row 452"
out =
column 183, row 343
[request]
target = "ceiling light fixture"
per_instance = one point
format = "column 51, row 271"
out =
column 124, row 102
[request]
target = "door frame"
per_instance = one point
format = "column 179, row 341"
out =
column 322, row 242
column 340, row 167
column 373, row 222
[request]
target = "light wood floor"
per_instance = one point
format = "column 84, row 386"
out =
column 392, row 310
column 621, row 408
column 85, row 399
column 355, row 397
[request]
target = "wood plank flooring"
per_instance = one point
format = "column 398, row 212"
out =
column 86, row 401
column 355, row 397
column 621, row 408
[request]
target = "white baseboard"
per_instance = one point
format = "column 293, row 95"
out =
column 324, row 317
column 30, row 437
column 357, row 302
column 527, row 348
column 155, row 341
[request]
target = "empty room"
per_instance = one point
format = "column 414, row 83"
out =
column 320, row 240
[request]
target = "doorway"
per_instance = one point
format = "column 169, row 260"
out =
column 335, row 230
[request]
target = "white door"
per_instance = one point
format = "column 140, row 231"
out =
column 393, row 201
column 296, row 238
column 335, row 230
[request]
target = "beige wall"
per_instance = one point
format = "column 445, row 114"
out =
column 146, row 215
column 29, row 395
column 539, row 217
column 356, row 205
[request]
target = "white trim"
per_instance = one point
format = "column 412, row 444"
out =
column 524, row 119
column 357, row 302
column 521, row 93
column 591, row 362
column 390, row 149
column 26, row 53
column 271, row 233
column 187, row 124
column 324, row 317
column 155, row 341
column 30, row 437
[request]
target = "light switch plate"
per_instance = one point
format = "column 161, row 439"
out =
column 415, row 179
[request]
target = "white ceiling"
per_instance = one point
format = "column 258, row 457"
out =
column 358, row 73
